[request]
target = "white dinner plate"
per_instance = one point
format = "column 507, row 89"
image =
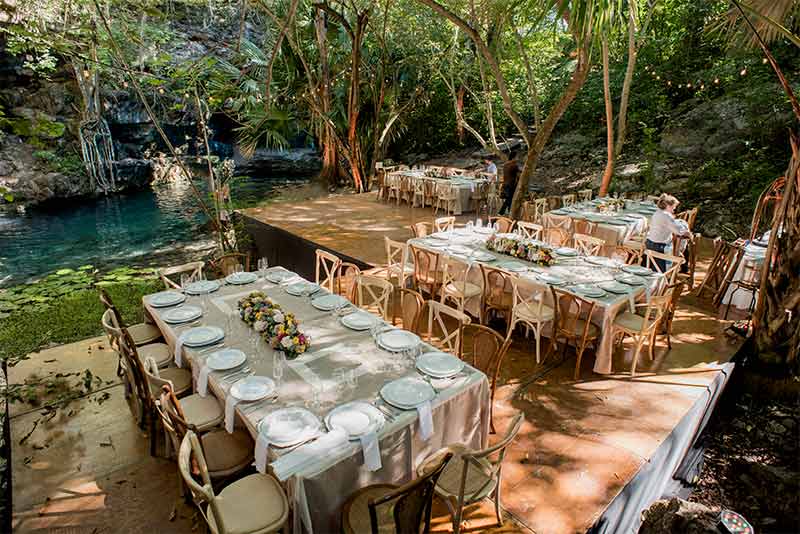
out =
column 358, row 320
column 435, row 243
column 614, row 287
column 202, row 287
column 638, row 270
column 279, row 275
column 184, row 314
column 483, row 256
column 483, row 230
column 407, row 393
column 200, row 336
column 550, row 279
column 439, row 364
column 600, row 260
column 166, row 298
column 289, row 426
column 328, row 302
column 253, row 388
column 513, row 266
column 566, row 251
column 631, row 280
column 589, row 291
column 616, row 222
column 441, row 236
column 459, row 249
column 304, row 287
column 225, row 359
column 241, row 278
column 396, row 340
column 357, row 418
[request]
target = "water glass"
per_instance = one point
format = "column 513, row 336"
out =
column 352, row 379
column 263, row 265
column 185, row 281
column 238, row 268
column 340, row 377
column 230, row 323
column 469, row 226
column 479, row 223
column 278, row 360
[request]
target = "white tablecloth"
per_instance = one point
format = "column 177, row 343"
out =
column 753, row 258
column 460, row 413
column 465, row 187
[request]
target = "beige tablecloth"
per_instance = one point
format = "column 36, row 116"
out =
column 460, row 413
column 465, row 187
column 572, row 270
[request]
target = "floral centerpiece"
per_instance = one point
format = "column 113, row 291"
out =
column 522, row 248
column 611, row 205
column 281, row 329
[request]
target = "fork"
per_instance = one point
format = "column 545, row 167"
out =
column 236, row 374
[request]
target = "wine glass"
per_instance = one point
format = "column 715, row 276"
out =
column 185, row 281
column 263, row 265
column 230, row 323
column 238, row 268
column 277, row 367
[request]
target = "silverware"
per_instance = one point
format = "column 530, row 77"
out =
column 235, row 374
column 385, row 411
column 212, row 347
column 250, row 408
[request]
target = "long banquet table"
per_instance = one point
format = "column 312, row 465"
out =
column 573, row 270
column 319, row 488
column 465, row 186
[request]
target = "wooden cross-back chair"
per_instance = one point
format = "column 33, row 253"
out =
column 689, row 216
column 383, row 508
column 397, row 266
column 438, row 316
column 421, row 229
column 504, row 224
column 226, row 264
column 194, row 270
column 539, row 209
column 690, row 257
column 411, row 305
column 427, row 271
column 529, row 309
column 585, row 195
column 674, row 293
column 574, row 323
column 642, row 327
column 418, row 198
column 456, row 286
column 393, row 186
column 260, row 496
column 582, row 226
column 327, row 269
column 373, row 293
column 142, row 333
column 558, row 232
column 530, row 230
column 492, row 198
column 446, row 198
column 346, row 277
column 484, row 349
column 568, row 200
column 672, row 270
column 724, row 257
column 444, row 224
column 588, row 245
column 498, row 293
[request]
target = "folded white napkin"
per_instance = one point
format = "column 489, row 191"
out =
column 372, row 451
column 202, row 380
column 440, row 384
column 230, row 407
column 289, row 464
column 179, row 350
column 262, row 445
column 425, row 420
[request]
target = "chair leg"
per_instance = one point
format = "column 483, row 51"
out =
column 580, row 351
column 653, row 344
column 639, row 342
column 536, row 334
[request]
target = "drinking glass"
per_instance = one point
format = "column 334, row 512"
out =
column 469, row 226
column 185, row 281
column 352, row 379
column 238, row 268
column 340, row 377
column 230, row 323
column 479, row 223
column 277, row 367
column 263, row 265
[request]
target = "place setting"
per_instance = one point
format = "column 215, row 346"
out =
column 362, row 422
column 166, row 299
column 412, row 393
column 197, row 337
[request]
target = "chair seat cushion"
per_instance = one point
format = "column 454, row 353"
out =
column 532, row 312
column 355, row 514
column 143, row 333
column 629, row 321
column 462, row 289
column 181, row 379
column 202, row 412
column 479, row 484
column 158, row 351
column 255, row 503
column 580, row 324
column 226, row 453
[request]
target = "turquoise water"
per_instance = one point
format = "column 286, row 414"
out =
column 132, row 229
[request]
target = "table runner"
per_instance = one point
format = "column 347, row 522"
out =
column 573, row 270
column 460, row 413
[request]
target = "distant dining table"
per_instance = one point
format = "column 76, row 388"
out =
column 344, row 365
column 465, row 186
column 581, row 275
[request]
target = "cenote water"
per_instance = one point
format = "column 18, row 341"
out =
column 139, row 228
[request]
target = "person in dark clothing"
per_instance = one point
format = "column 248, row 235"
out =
column 510, row 177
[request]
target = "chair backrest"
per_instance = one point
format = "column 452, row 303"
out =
column 529, row 293
column 227, row 263
column 588, row 245
column 571, row 311
column 530, row 230
column 444, row 224
column 426, row 266
column 396, row 257
column 412, row 503
column 671, row 272
column 420, row 229
column 411, row 304
column 172, row 416
column 674, row 292
column 327, row 269
column 568, row 200
column 438, row 315
column 346, row 280
column 190, row 456
column 585, row 195
column 454, row 270
column 504, row 224
column 689, row 216
column 194, row 269
column 582, row 226
column 539, row 209
column 498, row 286
column 136, row 367
column 372, row 293
column 485, row 349
column 111, row 328
column 654, row 311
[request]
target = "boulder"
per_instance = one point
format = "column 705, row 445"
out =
column 677, row 515
column 133, row 173
column 270, row 161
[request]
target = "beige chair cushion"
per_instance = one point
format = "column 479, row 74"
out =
column 462, row 289
column 629, row 321
column 255, row 503
column 479, row 484
column 158, row 351
column 226, row 453
column 355, row 518
column 181, row 379
column 594, row 330
column 531, row 312
column 202, row 412
column 143, row 333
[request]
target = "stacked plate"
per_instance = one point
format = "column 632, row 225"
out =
column 184, row 314
column 550, row 279
column 165, row 299
column 289, row 426
column 253, row 388
column 357, row 418
column 614, row 287
column 396, row 340
column 435, row 243
column 202, row 287
column 459, row 249
column 441, row 236
column 483, row 256
column 439, row 364
column 566, row 251
column 589, row 291
column 600, row 260
column 279, row 275
column 201, row 336
column 486, row 230
column 329, row 302
column 298, row 289
column 225, row 359
column 241, row 278
column 637, row 270
column 513, row 266
column 631, row 280
column 358, row 321
column 407, row 393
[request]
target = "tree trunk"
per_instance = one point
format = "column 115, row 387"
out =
column 460, row 111
column 548, row 125
column 609, row 171
column 622, row 118
column 330, row 162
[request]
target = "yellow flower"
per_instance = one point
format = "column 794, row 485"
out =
column 295, row 340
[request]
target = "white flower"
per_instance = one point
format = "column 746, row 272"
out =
column 260, row 326
column 287, row 342
column 278, row 317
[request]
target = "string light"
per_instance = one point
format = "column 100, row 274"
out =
column 764, row 61
column 744, row 71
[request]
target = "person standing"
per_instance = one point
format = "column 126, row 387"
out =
column 510, row 177
column 663, row 227
column 491, row 168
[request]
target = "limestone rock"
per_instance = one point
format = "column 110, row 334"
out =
column 133, row 173
column 293, row 161
column 677, row 515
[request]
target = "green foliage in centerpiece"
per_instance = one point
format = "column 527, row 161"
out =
column 281, row 329
column 522, row 248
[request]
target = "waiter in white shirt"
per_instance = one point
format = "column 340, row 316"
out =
column 663, row 227
column 491, row 168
